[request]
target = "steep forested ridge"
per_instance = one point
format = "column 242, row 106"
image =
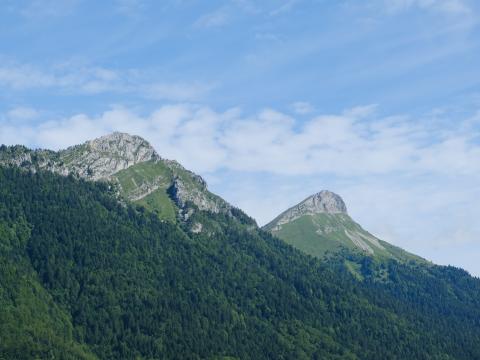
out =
column 83, row 276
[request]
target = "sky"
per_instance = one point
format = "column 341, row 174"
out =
column 270, row 101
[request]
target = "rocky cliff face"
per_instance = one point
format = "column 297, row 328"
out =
column 28, row 159
column 95, row 160
column 101, row 158
column 183, row 194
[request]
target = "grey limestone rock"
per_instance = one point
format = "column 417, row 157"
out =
column 101, row 158
column 323, row 202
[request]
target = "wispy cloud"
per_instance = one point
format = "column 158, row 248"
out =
column 284, row 8
column 82, row 78
column 130, row 7
column 22, row 113
column 249, row 6
column 73, row 78
column 217, row 18
column 48, row 8
column 177, row 91
column 302, row 107
column 356, row 142
column 452, row 7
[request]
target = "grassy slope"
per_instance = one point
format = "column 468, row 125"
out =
column 147, row 173
column 320, row 234
column 163, row 175
column 302, row 234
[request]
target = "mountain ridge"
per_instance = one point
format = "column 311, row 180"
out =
column 318, row 224
column 130, row 163
column 140, row 175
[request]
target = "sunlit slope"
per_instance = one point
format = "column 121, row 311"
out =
column 167, row 189
column 136, row 171
column 319, row 230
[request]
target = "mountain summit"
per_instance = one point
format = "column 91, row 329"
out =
column 320, row 225
column 323, row 202
column 109, row 154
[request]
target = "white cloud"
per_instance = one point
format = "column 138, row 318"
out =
column 361, row 111
column 22, row 113
column 302, row 107
column 354, row 143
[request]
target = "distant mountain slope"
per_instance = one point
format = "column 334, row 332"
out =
column 320, row 225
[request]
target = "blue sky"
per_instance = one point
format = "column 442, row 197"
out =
column 270, row 101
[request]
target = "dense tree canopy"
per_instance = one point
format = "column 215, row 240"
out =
column 83, row 276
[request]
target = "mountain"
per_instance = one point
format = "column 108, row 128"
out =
column 87, row 272
column 320, row 225
column 134, row 170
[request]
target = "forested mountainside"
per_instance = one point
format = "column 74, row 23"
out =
column 85, row 276
column 109, row 251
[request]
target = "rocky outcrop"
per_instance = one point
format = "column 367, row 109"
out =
column 32, row 160
column 184, row 193
column 101, row 158
column 95, row 160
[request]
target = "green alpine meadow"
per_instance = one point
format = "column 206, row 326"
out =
column 110, row 251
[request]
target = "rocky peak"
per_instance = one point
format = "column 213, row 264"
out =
column 102, row 157
column 324, row 202
column 95, row 159
column 124, row 145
